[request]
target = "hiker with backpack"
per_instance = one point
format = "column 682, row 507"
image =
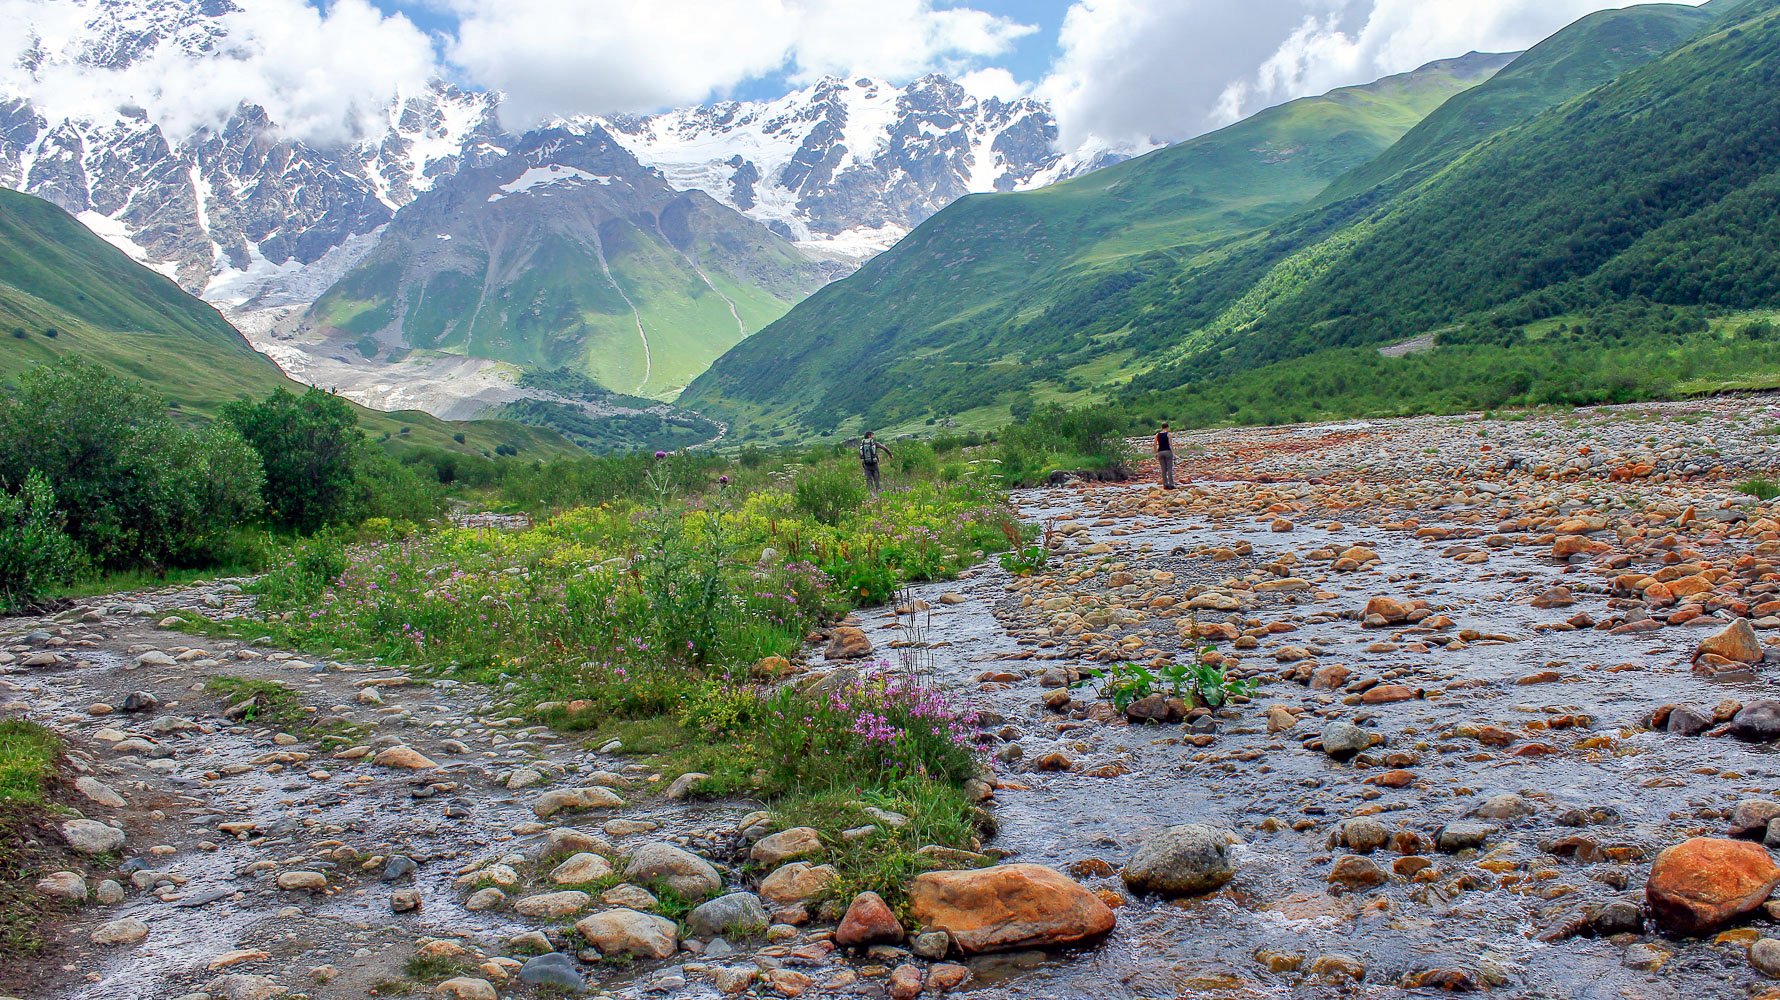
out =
column 868, row 458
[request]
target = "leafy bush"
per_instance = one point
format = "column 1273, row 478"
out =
column 136, row 488
column 309, row 446
column 829, row 492
column 35, row 554
column 1055, row 438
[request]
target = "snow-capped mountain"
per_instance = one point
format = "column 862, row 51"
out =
column 257, row 221
column 848, row 167
column 235, row 212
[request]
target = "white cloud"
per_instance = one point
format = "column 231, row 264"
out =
column 1137, row 71
column 323, row 75
column 993, row 81
column 621, row 55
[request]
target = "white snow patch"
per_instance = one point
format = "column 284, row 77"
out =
column 264, row 284
column 546, row 175
column 858, row 245
column 117, row 234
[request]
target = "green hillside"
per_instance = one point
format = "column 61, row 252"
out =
column 601, row 267
column 943, row 321
column 1659, row 189
column 64, row 290
column 1585, row 55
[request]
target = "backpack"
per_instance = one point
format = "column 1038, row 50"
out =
column 868, row 452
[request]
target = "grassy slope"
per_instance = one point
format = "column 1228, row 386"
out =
column 945, row 299
column 1660, row 184
column 54, row 273
column 525, row 290
column 1642, row 217
column 1589, row 53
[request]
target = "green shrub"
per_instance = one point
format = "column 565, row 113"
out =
column 35, row 554
column 829, row 492
column 309, row 445
column 1054, row 437
column 135, row 488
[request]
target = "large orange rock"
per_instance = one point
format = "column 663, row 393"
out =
column 1699, row 885
column 1008, row 907
column 1738, row 642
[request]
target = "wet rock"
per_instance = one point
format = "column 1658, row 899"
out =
column 1335, row 967
column 737, row 915
column 684, row 784
column 109, row 892
column 560, row 799
column 797, row 882
column 1738, row 644
column 1702, row 884
column 868, row 921
column 404, row 901
column 797, row 842
column 1756, row 722
column 552, row 905
column 1343, row 740
column 554, row 969
column 946, row 977
column 1187, row 860
column 1750, row 817
column 849, row 643
column 403, row 758
column 905, row 982
column 116, row 933
column 302, row 881
column 1353, row 873
column 466, row 988
column 91, row 837
column 1686, row 721
column 628, row 932
column 687, row 874
column 1503, row 807
column 68, row 886
column 580, row 868
column 1362, row 834
column 1008, row 907
column 1764, row 955
column 1617, row 917
column 1461, row 836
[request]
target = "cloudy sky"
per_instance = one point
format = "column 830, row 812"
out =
column 1119, row 72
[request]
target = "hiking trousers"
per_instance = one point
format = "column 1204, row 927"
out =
column 871, row 475
column 1167, row 460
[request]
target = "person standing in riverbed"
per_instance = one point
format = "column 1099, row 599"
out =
column 1165, row 456
column 868, row 459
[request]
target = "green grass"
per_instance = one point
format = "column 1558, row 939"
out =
column 28, row 754
column 1761, row 489
column 276, row 705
